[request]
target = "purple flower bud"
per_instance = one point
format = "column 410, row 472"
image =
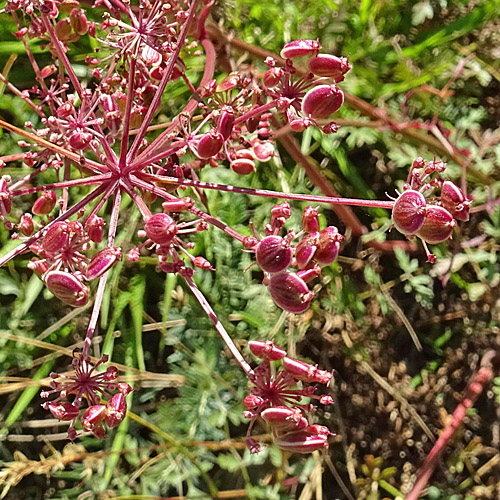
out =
column 273, row 254
column 265, row 349
column 102, row 262
column 301, row 441
column 328, row 246
column 408, row 213
column 67, row 287
column 330, row 66
column 298, row 48
column 62, row 411
column 438, row 225
column 160, row 228
column 225, row 122
column 322, row 101
column 93, row 417
column 209, row 144
column 111, row 373
column 453, row 199
column 45, row 203
column 116, row 409
column 56, row 237
column 290, row 292
column 306, row 249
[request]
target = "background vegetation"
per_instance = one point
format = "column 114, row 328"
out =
column 185, row 433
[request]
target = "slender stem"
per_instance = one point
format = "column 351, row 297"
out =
column 256, row 112
column 218, row 325
column 163, row 83
column 65, row 215
column 202, row 215
column 39, row 141
column 189, row 109
column 269, row 194
column 96, row 309
column 85, row 181
column 476, row 386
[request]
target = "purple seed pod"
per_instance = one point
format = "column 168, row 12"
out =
column 63, row 410
column 408, row 213
column 93, row 416
column 309, row 273
column 209, row 144
column 454, row 200
column 262, row 150
column 243, row 166
column 225, row 122
column 79, row 21
column 272, row 77
column 290, row 292
column 265, row 349
column 67, row 287
column 230, row 82
column 80, row 140
column 5, row 199
column 330, row 66
column 283, row 418
column 306, row 249
column 298, row 48
column 252, row 401
column 45, row 203
column 322, row 101
column 178, row 205
column 160, row 228
column 301, row 441
column 282, row 210
column 273, row 254
column 306, row 372
column 63, row 29
column 438, row 225
column 328, row 246
column 56, row 238
column 116, row 409
column 94, row 227
column 25, row 225
column 102, row 262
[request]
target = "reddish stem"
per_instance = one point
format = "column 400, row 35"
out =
column 476, row 386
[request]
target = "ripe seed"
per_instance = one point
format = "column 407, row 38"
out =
column 56, row 238
column 67, row 287
column 290, row 292
column 209, row 144
column 453, row 199
column 322, row 101
column 438, row 225
column 408, row 213
column 45, row 203
column 160, row 228
column 273, row 254
column 102, row 262
column 329, row 66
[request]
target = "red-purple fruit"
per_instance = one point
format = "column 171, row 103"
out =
column 160, row 228
column 322, row 101
column 67, row 287
column 438, row 225
column 290, row 292
column 328, row 246
column 454, row 200
column 265, row 349
column 298, row 48
column 330, row 66
column 209, row 144
column 273, row 254
column 408, row 213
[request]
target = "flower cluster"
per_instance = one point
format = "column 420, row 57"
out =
column 276, row 399
column 275, row 254
column 86, row 383
column 418, row 211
